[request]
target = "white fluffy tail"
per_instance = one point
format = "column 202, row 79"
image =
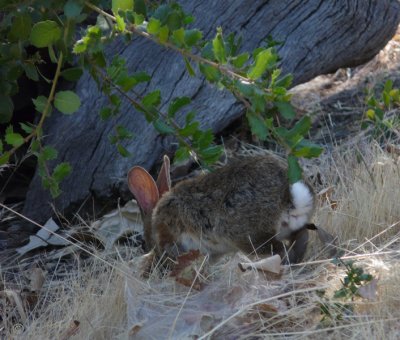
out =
column 303, row 202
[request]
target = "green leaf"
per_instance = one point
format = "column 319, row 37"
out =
column 212, row 74
column 67, row 102
column 240, row 60
column 211, row 154
column 161, row 13
column 61, row 171
column 286, row 110
column 123, row 132
column 122, row 151
column 139, row 19
column 30, row 71
column 115, row 100
column 162, row 127
column 121, row 5
column 140, row 7
column 207, row 51
column 6, row 108
column 54, row 188
column 52, row 54
column 152, row 99
column 40, row 104
column 179, row 36
column 105, row 113
column 257, row 125
column 246, row 89
column 190, row 117
column 73, row 8
column 127, row 83
column 45, row 33
column 294, row 170
column 141, row 77
column 274, row 76
column 21, row 27
column 192, row 37
column 181, row 154
column 264, row 60
column 27, row 128
column 340, row 293
column 189, row 129
column 153, row 27
column 163, row 34
column 258, row 101
column 301, row 128
column 80, row 46
column 4, row 158
column 120, row 23
column 379, row 113
column 72, row 74
column 232, row 45
column 219, row 47
column 204, row 139
column 285, row 81
column 174, row 20
column 370, row 114
column 48, row 153
column 14, row 139
column 189, row 67
column 307, row 149
column 388, row 85
column 177, row 104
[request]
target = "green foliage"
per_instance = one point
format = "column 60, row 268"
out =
column 45, row 33
column 67, row 102
column 355, row 279
column 6, row 108
column 51, row 26
column 378, row 111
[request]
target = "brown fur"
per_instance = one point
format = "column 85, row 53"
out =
column 236, row 207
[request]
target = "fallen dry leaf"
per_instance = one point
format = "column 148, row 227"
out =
column 267, row 309
column 369, row 291
column 135, row 329
column 187, row 268
column 72, row 330
column 270, row 264
column 393, row 149
column 44, row 237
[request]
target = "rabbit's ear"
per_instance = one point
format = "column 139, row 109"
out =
column 143, row 187
column 164, row 178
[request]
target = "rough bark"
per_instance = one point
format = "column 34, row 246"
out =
column 318, row 37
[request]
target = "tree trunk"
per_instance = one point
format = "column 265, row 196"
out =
column 318, row 37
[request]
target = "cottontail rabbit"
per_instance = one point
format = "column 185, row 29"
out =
column 247, row 205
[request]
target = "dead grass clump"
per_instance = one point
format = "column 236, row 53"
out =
column 92, row 294
column 366, row 187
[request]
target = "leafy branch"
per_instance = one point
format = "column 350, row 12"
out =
column 253, row 78
column 256, row 84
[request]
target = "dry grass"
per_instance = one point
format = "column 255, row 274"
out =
column 110, row 300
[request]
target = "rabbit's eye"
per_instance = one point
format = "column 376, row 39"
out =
column 284, row 224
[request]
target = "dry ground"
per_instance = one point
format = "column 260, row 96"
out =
column 105, row 295
column 108, row 297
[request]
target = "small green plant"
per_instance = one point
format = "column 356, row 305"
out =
column 379, row 108
column 338, row 306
